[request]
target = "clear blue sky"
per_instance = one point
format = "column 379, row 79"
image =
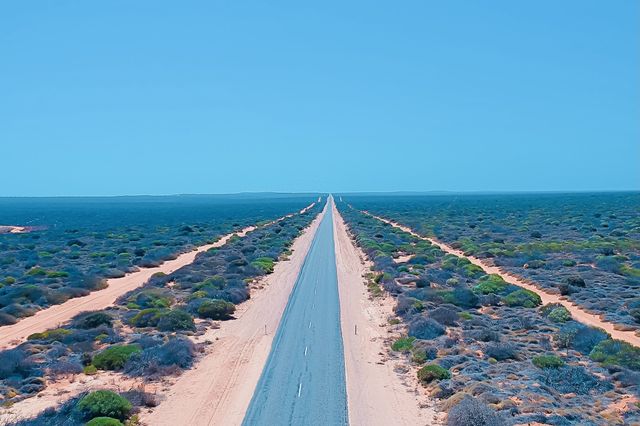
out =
column 153, row 97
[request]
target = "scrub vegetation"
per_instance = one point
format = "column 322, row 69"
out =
column 76, row 244
column 148, row 333
column 489, row 351
column 583, row 246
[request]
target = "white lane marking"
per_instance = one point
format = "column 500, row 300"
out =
column 309, row 324
column 299, row 389
column 305, row 350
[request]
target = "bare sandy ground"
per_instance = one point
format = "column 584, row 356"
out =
column 217, row 391
column 578, row 313
column 53, row 316
column 11, row 229
column 377, row 394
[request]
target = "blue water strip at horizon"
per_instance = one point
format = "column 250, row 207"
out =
column 303, row 381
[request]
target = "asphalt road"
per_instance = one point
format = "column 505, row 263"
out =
column 303, row 381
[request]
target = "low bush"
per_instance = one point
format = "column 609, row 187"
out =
column 572, row 379
column 556, row 312
column 104, row 421
column 404, row 344
column 90, row 370
column 114, row 357
column 175, row 320
column 580, row 337
column 461, row 296
column 57, row 334
column 432, row 372
column 560, row 314
column 151, row 298
column 216, row 309
column 425, row 328
column 264, row 264
column 491, row 284
column 501, row 351
column 616, row 352
column 92, row 320
column 522, row 297
column 16, row 362
column 177, row 353
column 444, row 315
column 547, row 361
column 472, row 412
column 104, row 403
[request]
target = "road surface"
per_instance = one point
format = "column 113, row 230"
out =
column 303, row 382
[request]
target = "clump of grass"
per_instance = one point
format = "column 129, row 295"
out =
column 524, row 298
column 404, row 344
column 51, row 335
column 491, row 284
column 431, row 372
column 547, row 361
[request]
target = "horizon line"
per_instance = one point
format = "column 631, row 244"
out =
column 302, row 193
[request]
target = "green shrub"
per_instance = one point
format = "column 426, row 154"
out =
column 522, row 297
column 466, row 316
column 93, row 320
column 216, row 309
column 560, row 314
column 547, row 361
column 104, row 421
column 104, row 403
column 491, row 284
column 114, row 357
column 9, row 280
column 556, row 312
column 200, row 294
column 216, row 282
column 404, row 344
column 175, row 320
column 265, row 264
column 57, row 274
column 56, row 334
column 36, row 271
column 151, row 298
column 616, row 352
column 432, row 372
column 90, row 370
column 146, row 318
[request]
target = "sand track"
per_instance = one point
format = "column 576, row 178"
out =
column 578, row 313
column 376, row 394
column 13, row 335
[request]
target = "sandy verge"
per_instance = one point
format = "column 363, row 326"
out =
column 376, row 393
column 13, row 335
column 217, row 391
column 578, row 313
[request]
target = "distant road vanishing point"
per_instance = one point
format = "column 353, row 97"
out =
column 303, row 381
